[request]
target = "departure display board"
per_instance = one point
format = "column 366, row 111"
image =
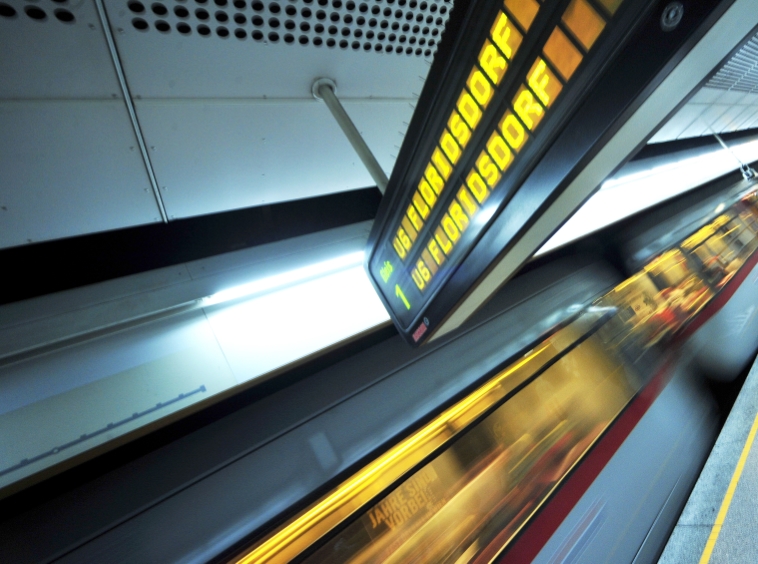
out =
column 506, row 82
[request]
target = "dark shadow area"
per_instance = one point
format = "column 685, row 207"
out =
column 53, row 266
column 725, row 393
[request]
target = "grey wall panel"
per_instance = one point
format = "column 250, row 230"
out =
column 220, row 155
column 50, row 58
column 67, row 168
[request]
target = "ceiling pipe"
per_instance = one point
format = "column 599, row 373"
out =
column 325, row 89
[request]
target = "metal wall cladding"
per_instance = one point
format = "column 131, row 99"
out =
column 222, row 89
column 54, row 50
column 69, row 161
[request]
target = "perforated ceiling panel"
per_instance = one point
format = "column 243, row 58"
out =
column 728, row 101
column 276, row 49
column 384, row 26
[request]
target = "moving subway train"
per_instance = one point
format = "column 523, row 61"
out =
column 584, row 445
column 567, row 421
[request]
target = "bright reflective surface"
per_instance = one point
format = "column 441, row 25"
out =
column 625, row 195
column 75, row 400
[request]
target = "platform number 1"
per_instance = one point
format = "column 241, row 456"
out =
column 399, row 294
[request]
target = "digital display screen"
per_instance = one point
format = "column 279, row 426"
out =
column 512, row 65
column 457, row 193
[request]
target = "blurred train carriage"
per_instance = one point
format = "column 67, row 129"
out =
column 541, row 460
column 566, row 421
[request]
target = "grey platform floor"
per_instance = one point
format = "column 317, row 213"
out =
column 737, row 541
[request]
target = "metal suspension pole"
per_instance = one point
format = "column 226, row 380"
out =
column 324, row 89
column 747, row 172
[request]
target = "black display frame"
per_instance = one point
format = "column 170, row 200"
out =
column 611, row 83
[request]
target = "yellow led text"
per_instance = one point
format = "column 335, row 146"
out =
column 480, row 87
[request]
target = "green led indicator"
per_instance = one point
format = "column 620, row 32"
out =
column 399, row 294
column 386, row 270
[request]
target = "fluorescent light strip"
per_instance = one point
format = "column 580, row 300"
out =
column 284, row 279
column 623, row 196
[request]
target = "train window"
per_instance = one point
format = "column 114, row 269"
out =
column 750, row 201
column 743, row 237
column 749, row 216
column 720, row 248
column 469, row 501
column 663, row 297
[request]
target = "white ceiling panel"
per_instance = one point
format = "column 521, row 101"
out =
column 752, row 122
column 67, row 168
column 740, row 118
column 725, row 104
column 69, row 159
column 747, row 117
column 701, row 126
column 706, row 96
column 712, row 113
column 695, row 129
column 223, row 98
column 726, row 121
column 50, row 58
column 222, row 90
column 731, row 97
column 172, row 64
column 680, row 121
column 216, row 156
column 740, row 72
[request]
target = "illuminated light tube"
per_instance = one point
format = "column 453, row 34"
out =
column 621, row 197
column 284, row 279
